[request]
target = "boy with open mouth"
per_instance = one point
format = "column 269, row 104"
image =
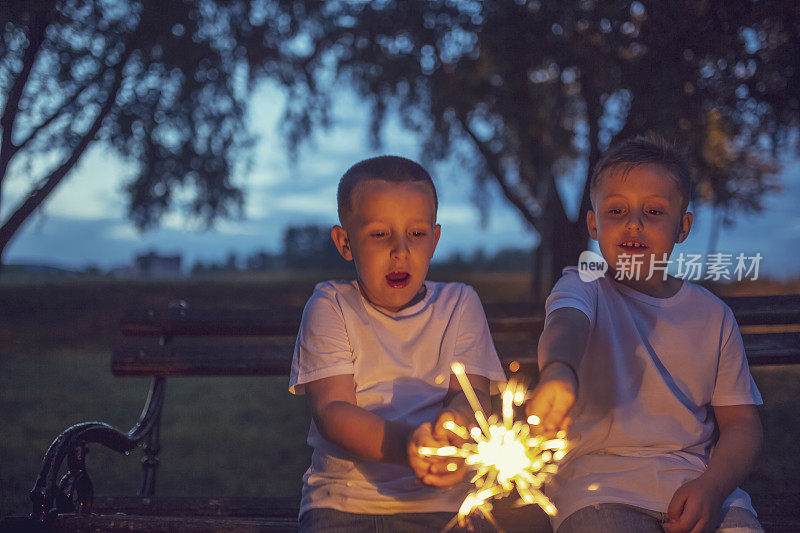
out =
column 641, row 366
column 373, row 357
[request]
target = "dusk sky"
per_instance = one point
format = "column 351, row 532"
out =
column 84, row 222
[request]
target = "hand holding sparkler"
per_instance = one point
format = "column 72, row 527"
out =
column 505, row 454
column 434, row 470
column 449, row 431
column 553, row 397
column 561, row 348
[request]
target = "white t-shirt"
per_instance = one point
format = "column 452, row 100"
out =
column 652, row 369
column 400, row 364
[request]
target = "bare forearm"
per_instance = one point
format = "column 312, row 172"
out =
column 364, row 434
column 735, row 454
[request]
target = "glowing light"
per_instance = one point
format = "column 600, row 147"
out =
column 455, row 428
column 506, row 457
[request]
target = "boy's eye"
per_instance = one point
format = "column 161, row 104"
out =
column 615, row 211
column 655, row 212
column 378, row 234
column 417, row 233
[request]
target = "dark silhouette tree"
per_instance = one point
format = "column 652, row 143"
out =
column 311, row 247
column 165, row 84
column 528, row 92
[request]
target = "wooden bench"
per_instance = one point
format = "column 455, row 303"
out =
column 181, row 341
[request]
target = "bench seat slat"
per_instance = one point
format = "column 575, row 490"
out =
column 238, row 506
column 159, row 524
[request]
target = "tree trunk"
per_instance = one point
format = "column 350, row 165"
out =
column 536, row 271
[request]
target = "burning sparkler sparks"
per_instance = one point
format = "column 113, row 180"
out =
column 506, row 456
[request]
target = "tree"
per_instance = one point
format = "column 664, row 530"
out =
column 536, row 90
column 311, row 246
column 164, row 84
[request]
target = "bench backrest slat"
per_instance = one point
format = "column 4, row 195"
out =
column 765, row 310
column 180, row 342
column 211, row 322
column 263, row 359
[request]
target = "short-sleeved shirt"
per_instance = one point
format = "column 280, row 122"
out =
column 400, row 364
column 652, row 370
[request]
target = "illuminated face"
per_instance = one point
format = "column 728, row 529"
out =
column 390, row 234
column 639, row 214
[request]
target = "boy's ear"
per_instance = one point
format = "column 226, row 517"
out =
column 339, row 236
column 684, row 227
column 591, row 223
column 437, row 232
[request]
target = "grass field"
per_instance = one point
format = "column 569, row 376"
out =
column 221, row 436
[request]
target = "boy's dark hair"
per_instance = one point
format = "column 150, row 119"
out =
column 640, row 150
column 386, row 167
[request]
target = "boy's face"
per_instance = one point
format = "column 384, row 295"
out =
column 390, row 234
column 639, row 214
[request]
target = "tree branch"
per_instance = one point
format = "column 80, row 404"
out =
column 49, row 183
column 494, row 167
column 71, row 100
column 36, row 39
column 592, row 120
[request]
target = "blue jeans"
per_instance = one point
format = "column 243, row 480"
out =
column 618, row 518
column 333, row 521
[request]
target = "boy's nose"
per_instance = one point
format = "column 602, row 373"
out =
column 399, row 246
column 634, row 221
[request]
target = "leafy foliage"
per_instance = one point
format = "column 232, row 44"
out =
column 537, row 89
column 165, row 84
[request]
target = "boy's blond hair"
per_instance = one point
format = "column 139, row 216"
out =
column 647, row 150
column 390, row 168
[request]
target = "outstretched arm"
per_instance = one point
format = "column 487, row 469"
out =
column 561, row 348
column 696, row 506
column 366, row 435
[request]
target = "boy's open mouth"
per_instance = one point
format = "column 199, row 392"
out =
column 398, row 280
column 633, row 245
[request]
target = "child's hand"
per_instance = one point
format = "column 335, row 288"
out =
column 553, row 397
column 695, row 508
column 433, row 470
column 442, row 433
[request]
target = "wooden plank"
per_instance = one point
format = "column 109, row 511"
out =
column 772, row 348
column 277, row 320
column 274, row 359
column 281, row 320
column 160, row 524
column 200, row 515
column 241, row 506
column 187, row 359
column 502, row 317
column 765, row 310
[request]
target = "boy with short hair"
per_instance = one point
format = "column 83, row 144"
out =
column 373, row 357
column 639, row 368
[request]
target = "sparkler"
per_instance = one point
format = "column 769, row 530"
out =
column 506, row 456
